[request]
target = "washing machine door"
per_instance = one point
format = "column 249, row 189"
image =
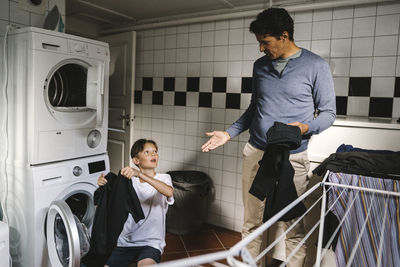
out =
column 65, row 237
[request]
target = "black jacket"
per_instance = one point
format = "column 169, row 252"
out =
column 382, row 165
column 114, row 201
column 274, row 178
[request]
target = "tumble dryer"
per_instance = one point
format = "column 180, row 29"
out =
column 58, row 96
column 49, row 208
column 57, row 119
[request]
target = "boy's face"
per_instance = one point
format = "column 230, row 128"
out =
column 148, row 158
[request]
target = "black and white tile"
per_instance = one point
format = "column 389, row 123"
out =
column 357, row 96
column 208, row 92
column 366, row 96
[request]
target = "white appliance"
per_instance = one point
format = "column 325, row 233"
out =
column 57, row 138
column 46, row 198
column 4, row 245
column 58, row 96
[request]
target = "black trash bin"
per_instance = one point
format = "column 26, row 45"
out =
column 191, row 193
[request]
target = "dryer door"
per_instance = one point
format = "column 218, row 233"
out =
column 65, row 237
column 74, row 90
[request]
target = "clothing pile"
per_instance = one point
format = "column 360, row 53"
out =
column 355, row 215
column 114, row 201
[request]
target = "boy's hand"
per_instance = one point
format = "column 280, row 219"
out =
column 102, row 180
column 128, row 172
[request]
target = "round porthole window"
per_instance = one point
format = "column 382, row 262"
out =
column 67, row 87
column 94, row 138
column 64, row 93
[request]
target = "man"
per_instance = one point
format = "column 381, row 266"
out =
column 290, row 85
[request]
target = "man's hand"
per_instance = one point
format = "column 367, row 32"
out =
column 102, row 180
column 303, row 127
column 128, row 172
column 218, row 138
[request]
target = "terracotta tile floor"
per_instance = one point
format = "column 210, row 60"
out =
column 208, row 240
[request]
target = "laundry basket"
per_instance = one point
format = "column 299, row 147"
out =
column 191, row 193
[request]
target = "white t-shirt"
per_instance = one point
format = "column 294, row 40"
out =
column 149, row 231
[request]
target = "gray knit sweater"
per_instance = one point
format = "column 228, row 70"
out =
column 303, row 86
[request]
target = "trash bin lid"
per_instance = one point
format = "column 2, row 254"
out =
column 189, row 177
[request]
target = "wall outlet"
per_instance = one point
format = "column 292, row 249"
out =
column 34, row 6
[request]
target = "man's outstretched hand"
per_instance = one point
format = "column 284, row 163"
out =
column 218, row 138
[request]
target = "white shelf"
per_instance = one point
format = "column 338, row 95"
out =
column 362, row 132
column 365, row 122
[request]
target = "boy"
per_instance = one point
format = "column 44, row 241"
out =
column 143, row 242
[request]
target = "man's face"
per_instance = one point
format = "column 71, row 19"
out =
column 271, row 46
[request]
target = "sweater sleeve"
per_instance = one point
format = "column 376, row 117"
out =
column 244, row 122
column 324, row 99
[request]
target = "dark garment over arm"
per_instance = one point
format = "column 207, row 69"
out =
column 382, row 165
column 274, row 178
column 114, row 201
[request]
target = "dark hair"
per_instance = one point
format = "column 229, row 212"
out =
column 273, row 21
column 138, row 146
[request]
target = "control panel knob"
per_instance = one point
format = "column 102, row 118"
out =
column 77, row 171
column 94, row 138
column 79, row 48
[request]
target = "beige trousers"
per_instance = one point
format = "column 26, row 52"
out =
column 254, row 209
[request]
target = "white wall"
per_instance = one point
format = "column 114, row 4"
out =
column 359, row 41
column 12, row 13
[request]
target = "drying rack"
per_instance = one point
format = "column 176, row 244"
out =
column 239, row 256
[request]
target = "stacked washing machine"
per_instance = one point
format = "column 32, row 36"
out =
column 57, row 137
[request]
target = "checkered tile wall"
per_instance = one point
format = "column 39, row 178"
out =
column 217, row 92
column 359, row 91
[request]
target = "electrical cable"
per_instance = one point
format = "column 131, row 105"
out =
column 4, row 129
